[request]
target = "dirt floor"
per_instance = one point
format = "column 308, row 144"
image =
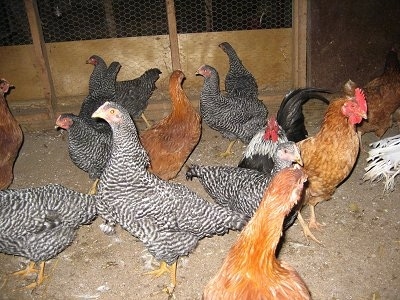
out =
column 359, row 258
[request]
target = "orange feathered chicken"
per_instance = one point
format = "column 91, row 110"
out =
column 251, row 271
column 331, row 154
column 11, row 137
column 383, row 97
column 170, row 141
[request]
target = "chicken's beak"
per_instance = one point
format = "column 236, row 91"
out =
column 298, row 160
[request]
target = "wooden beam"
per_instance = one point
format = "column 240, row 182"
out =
column 299, row 43
column 173, row 35
column 41, row 54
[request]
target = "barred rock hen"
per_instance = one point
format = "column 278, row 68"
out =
column 99, row 69
column 383, row 97
column 331, row 154
column 250, row 269
column 38, row 223
column 238, row 81
column 133, row 94
column 170, row 142
column 167, row 217
column 11, row 138
column 384, row 162
column 241, row 189
column 234, row 117
column 287, row 126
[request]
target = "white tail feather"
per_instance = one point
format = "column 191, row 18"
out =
column 384, row 162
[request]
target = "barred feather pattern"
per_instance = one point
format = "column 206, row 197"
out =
column 89, row 148
column 238, row 81
column 384, row 162
column 167, row 217
column 40, row 222
column 234, row 117
column 99, row 69
column 241, row 189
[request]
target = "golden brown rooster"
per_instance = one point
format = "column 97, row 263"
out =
column 170, row 141
column 251, row 270
column 331, row 154
column 11, row 138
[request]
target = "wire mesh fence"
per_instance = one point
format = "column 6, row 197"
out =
column 74, row 20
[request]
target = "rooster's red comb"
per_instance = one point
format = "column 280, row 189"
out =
column 360, row 99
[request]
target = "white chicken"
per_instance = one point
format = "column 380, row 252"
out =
column 384, row 162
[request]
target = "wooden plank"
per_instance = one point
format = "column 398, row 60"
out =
column 173, row 35
column 40, row 52
column 299, row 43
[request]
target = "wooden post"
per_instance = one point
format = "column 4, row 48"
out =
column 39, row 47
column 299, row 43
column 173, row 35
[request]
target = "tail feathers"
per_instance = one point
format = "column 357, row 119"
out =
column 384, row 162
column 290, row 114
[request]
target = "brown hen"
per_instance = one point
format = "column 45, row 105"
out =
column 251, row 270
column 170, row 141
column 383, row 97
column 331, row 154
column 11, row 138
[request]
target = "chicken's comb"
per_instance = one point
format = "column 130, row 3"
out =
column 360, row 99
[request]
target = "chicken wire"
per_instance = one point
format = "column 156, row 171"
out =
column 74, row 20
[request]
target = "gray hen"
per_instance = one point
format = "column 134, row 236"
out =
column 241, row 189
column 238, row 81
column 167, row 217
column 38, row 223
column 234, row 117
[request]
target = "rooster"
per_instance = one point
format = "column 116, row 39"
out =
column 238, row 81
column 11, row 138
column 383, row 97
column 170, row 142
column 235, row 117
column 384, row 162
column 331, row 154
column 251, row 270
column 287, row 126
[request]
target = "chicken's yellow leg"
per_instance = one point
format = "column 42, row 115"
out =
column 164, row 268
column 30, row 268
column 228, row 150
column 40, row 278
column 145, row 120
column 306, row 229
column 93, row 189
column 313, row 220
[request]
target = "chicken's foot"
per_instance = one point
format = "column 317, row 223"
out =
column 31, row 269
column 228, row 150
column 313, row 220
column 306, row 229
column 164, row 268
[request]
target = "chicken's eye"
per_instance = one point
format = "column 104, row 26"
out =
column 112, row 111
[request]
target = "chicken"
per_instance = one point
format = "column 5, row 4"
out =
column 170, row 142
column 383, row 97
column 241, row 189
column 38, row 223
column 167, row 217
column 11, row 138
column 238, row 81
column 234, row 117
column 287, row 126
column 384, row 162
column 99, row 69
column 331, row 154
column 133, row 94
column 251, row 269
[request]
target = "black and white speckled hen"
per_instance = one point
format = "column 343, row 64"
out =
column 241, row 189
column 99, row 69
column 238, row 81
column 234, row 117
column 133, row 94
column 38, row 223
column 287, row 126
column 167, row 217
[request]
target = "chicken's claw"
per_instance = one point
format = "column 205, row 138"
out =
column 307, row 232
